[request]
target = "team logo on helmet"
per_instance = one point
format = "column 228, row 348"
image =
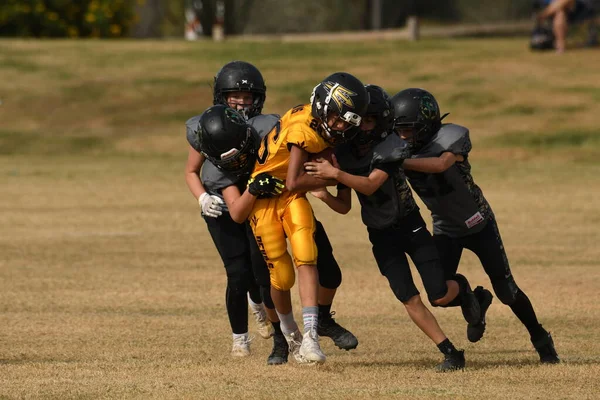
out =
column 339, row 94
column 428, row 108
column 234, row 116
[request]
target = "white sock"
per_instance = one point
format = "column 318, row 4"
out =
column 240, row 335
column 288, row 324
column 254, row 306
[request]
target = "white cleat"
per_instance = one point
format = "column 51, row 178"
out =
column 310, row 349
column 241, row 346
column 263, row 326
column 294, row 341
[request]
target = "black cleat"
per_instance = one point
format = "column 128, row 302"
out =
column 280, row 352
column 342, row 338
column 452, row 362
column 546, row 350
column 475, row 331
column 468, row 302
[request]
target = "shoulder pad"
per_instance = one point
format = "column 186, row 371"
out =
column 452, row 138
column 191, row 132
column 391, row 150
column 263, row 123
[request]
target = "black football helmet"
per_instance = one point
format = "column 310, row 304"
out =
column 226, row 139
column 240, row 76
column 345, row 95
column 380, row 107
column 417, row 109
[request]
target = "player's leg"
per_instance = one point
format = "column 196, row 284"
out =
column 453, row 291
column 232, row 245
column 279, row 354
column 330, row 278
column 393, row 264
column 299, row 225
column 488, row 246
column 270, row 239
column 449, row 251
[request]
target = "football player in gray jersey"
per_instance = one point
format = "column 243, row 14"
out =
column 241, row 257
column 440, row 173
column 371, row 165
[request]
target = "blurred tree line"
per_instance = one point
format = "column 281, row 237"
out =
column 158, row 18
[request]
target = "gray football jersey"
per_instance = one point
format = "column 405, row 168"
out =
column 215, row 179
column 457, row 204
column 393, row 200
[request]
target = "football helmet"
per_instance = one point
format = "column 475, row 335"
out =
column 418, row 110
column 226, row 139
column 240, row 76
column 380, row 108
column 344, row 95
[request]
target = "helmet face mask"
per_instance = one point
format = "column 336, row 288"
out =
column 240, row 76
column 339, row 98
column 226, row 140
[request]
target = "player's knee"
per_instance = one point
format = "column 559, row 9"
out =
column 412, row 302
column 506, row 290
column 283, row 284
column 330, row 274
column 239, row 277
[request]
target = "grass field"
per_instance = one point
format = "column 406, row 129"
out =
column 110, row 286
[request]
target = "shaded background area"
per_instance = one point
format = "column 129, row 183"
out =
column 164, row 18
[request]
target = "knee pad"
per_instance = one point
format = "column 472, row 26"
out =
column 239, row 276
column 283, row 275
column 330, row 274
column 506, row 290
column 265, row 294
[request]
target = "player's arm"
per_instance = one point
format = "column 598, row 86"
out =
column 366, row 185
column 297, row 179
column 192, row 172
column 239, row 205
column 342, row 203
column 209, row 204
column 433, row 165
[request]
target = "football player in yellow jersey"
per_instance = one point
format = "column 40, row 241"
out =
column 332, row 117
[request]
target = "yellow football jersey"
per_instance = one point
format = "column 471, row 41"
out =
column 297, row 127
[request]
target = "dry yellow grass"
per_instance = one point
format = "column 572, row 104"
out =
column 111, row 288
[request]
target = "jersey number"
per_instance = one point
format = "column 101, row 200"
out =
column 263, row 152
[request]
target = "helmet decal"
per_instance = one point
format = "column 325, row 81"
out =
column 339, row 94
column 428, row 108
column 235, row 116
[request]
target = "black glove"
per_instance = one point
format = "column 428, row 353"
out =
column 264, row 186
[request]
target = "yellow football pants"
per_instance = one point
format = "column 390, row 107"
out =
column 272, row 220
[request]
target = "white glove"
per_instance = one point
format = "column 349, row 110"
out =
column 211, row 205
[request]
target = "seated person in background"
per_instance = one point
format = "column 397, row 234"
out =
column 565, row 12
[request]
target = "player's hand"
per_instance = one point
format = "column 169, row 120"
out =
column 211, row 205
column 320, row 194
column 322, row 168
column 265, row 185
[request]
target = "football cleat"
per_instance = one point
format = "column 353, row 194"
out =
column 310, row 349
column 468, row 302
column 546, row 350
column 452, row 362
column 263, row 326
column 241, row 346
column 280, row 352
column 475, row 331
column 294, row 341
column 342, row 338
